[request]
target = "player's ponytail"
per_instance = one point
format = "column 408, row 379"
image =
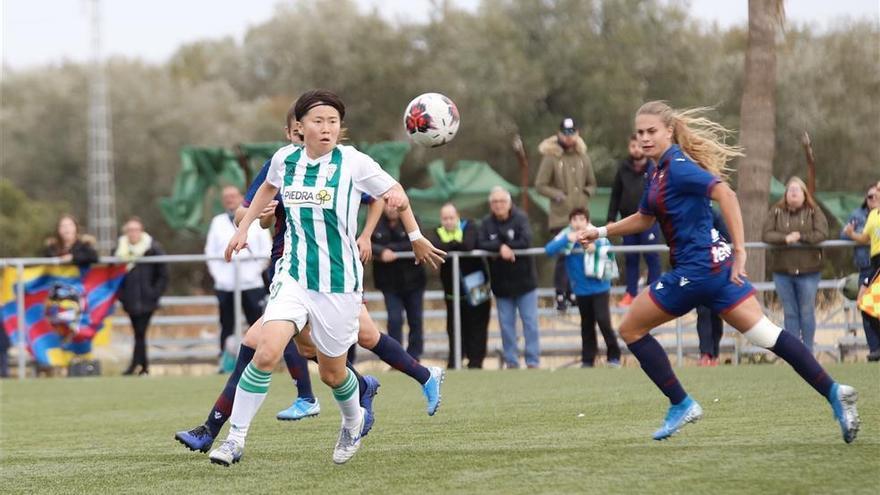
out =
column 700, row 138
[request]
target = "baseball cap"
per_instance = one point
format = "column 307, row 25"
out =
column 568, row 126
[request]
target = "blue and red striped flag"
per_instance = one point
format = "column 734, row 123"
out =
column 50, row 342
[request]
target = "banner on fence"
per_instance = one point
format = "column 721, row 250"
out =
column 66, row 309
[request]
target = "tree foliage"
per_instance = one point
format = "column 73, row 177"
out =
column 512, row 66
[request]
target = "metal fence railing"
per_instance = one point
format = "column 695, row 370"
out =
column 454, row 258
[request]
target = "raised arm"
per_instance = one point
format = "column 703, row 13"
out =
column 423, row 249
column 633, row 224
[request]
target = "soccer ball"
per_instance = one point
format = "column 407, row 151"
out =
column 431, row 120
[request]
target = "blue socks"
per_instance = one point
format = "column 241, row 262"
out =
column 795, row 353
column 223, row 407
column 390, row 351
column 298, row 368
column 655, row 364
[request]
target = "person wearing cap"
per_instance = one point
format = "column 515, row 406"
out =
column 566, row 177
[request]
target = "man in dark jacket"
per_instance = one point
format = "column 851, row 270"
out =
column 514, row 279
column 455, row 234
column 401, row 281
column 141, row 288
column 625, row 196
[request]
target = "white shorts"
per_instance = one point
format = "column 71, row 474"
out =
column 333, row 317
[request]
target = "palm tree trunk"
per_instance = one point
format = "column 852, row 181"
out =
column 758, row 125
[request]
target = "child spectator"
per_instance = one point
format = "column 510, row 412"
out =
column 590, row 272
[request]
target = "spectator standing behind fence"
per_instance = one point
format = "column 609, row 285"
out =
column 143, row 285
column 797, row 218
column 626, row 192
column 710, row 327
column 590, row 273
column 250, row 276
column 401, row 281
column 69, row 245
column 514, row 279
column 566, row 177
column 868, row 233
column 457, row 234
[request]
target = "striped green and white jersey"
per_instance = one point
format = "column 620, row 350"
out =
column 321, row 199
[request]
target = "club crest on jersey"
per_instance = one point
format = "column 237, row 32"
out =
column 308, row 196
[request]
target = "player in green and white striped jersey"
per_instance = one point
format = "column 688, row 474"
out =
column 320, row 277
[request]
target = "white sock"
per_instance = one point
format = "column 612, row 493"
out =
column 347, row 396
column 249, row 396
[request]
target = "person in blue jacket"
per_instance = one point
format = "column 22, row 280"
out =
column 862, row 260
column 591, row 290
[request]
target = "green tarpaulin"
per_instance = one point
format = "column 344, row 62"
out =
column 195, row 197
column 201, row 170
column 467, row 186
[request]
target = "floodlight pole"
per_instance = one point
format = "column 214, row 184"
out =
column 101, row 183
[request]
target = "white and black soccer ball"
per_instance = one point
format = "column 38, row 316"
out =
column 431, row 120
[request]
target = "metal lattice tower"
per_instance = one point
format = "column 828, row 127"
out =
column 101, row 186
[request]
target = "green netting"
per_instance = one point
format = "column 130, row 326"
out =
column 466, row 185
column 204, row 170
column 201, row 169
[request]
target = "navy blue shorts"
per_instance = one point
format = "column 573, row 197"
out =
column 677, row 293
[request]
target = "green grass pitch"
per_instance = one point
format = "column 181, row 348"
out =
column 565, row 431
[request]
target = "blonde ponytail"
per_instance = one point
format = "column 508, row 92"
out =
column 700, row 138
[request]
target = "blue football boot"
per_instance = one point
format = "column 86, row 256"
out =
column 843, row 402
column 367, row 403
column 199, row 438
column 300, row 409
column 686, row 411
column 431, row 389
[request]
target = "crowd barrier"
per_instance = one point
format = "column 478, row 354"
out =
column 435, row 348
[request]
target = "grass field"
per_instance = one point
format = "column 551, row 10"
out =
column 566, row 431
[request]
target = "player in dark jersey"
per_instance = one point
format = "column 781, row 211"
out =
column 691, row 158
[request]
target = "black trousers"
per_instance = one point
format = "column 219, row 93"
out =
column 710, row 328
column 594, row 309
column 140, row 324
column 474, row 332
column 560, row 273
column 251, row 302
column 413, row 303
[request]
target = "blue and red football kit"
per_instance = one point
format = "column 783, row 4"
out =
column 280, row 224
column 678, row 194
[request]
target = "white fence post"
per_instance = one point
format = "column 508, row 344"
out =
column 236, row 263
column 22, row 326
column 456, row 308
